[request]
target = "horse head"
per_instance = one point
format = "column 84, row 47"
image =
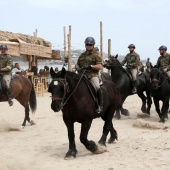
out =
column 58, row 88
column 112, row 62
column 155, row 78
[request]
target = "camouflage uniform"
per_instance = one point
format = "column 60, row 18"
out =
column 148, row 66
column 6, row 62
column 164, row 62
column 90, row 58
column 133, row 61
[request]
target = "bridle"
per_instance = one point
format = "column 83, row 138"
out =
column 157, row 80
column 66, row 90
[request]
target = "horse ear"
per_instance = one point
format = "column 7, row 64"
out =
column 63, row 72
column 52, row 72
column 116, row 56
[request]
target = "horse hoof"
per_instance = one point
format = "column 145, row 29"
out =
column 100, row 149
column 112, row 140
column 125, row 112
column 32, row 123
column 22, row 127
column 69, row 157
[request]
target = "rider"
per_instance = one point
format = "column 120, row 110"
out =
column 163, row 62
column 148, row 65
column 6, row 65
column 91, row 62
column 133, row 61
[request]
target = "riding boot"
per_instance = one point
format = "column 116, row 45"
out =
column 134, row 90
column 100, row 101
column 9, row 97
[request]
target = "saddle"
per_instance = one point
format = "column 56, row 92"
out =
column 91, row 88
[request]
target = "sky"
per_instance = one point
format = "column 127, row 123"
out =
column 144, row 23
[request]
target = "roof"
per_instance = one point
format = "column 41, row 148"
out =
column 22, row 44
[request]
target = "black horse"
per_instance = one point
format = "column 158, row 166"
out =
column 160, row 90
column 71, row 95
column 123, row 80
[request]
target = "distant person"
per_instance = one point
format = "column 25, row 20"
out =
column 163, row 63
column 96, row 49
column 56, row 70
column 133, row 61
column 16, row 69
column 33, row 69
column 148, row 65
column 46, row 68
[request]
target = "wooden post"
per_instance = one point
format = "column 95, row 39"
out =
column 69, row 54
column 109, row 51
column 70, row 47
column 101, row 41
column 65, row 53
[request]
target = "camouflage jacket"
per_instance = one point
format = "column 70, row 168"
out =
column 89, row 58
column 6, row 62
column 163, row 62
column 132, row 60
column 149, row 65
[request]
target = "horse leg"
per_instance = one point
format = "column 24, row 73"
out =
column 113, row 134
column 164, row 109
column 149, row 102
column 157, row 108
column 90, row 145
column 117, row 114
column 26, row 116
column 71, row 136
column 108, row 126
column 143, row 98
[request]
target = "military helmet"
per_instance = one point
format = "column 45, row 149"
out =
column 131, row 46
column 163, row 47
column 89, row 40
column 148, row 58
column 3, row 47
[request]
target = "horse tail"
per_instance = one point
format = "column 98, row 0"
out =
column 33, row 100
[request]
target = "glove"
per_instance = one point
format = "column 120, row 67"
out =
column 87, row 67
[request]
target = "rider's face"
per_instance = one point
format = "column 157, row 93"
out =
column 161, row 52
column 131, row 50
column 89, row 47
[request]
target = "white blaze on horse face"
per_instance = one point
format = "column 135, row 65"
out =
column 55, row 83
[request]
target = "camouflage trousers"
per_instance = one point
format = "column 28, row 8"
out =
column 134, row 73
column 7, row 78
column 95, row 82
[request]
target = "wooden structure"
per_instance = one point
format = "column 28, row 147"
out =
column 30, row 47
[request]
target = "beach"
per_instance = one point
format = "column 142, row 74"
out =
column 44, row 145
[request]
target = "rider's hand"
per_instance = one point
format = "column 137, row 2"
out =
column 87, row 67
column 165, row 70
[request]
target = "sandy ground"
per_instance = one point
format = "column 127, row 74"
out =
column 44, row 145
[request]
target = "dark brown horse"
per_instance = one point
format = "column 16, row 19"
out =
column 71, row 95
column 23, row 91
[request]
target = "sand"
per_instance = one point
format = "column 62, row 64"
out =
column 44, row 145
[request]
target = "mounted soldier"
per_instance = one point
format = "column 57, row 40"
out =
column 6, row 65
column 91, row 62
column 163, row 62
column 133, row 61
column 148, row 65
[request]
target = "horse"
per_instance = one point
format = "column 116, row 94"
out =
column 123, row 80
column 160, row 91
column 23, row 91
column 71, row 95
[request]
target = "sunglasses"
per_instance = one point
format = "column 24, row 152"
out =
column 89, row 44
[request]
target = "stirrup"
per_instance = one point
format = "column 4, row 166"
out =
column 10, row 102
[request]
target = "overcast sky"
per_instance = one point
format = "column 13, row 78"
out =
column 145, row 23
